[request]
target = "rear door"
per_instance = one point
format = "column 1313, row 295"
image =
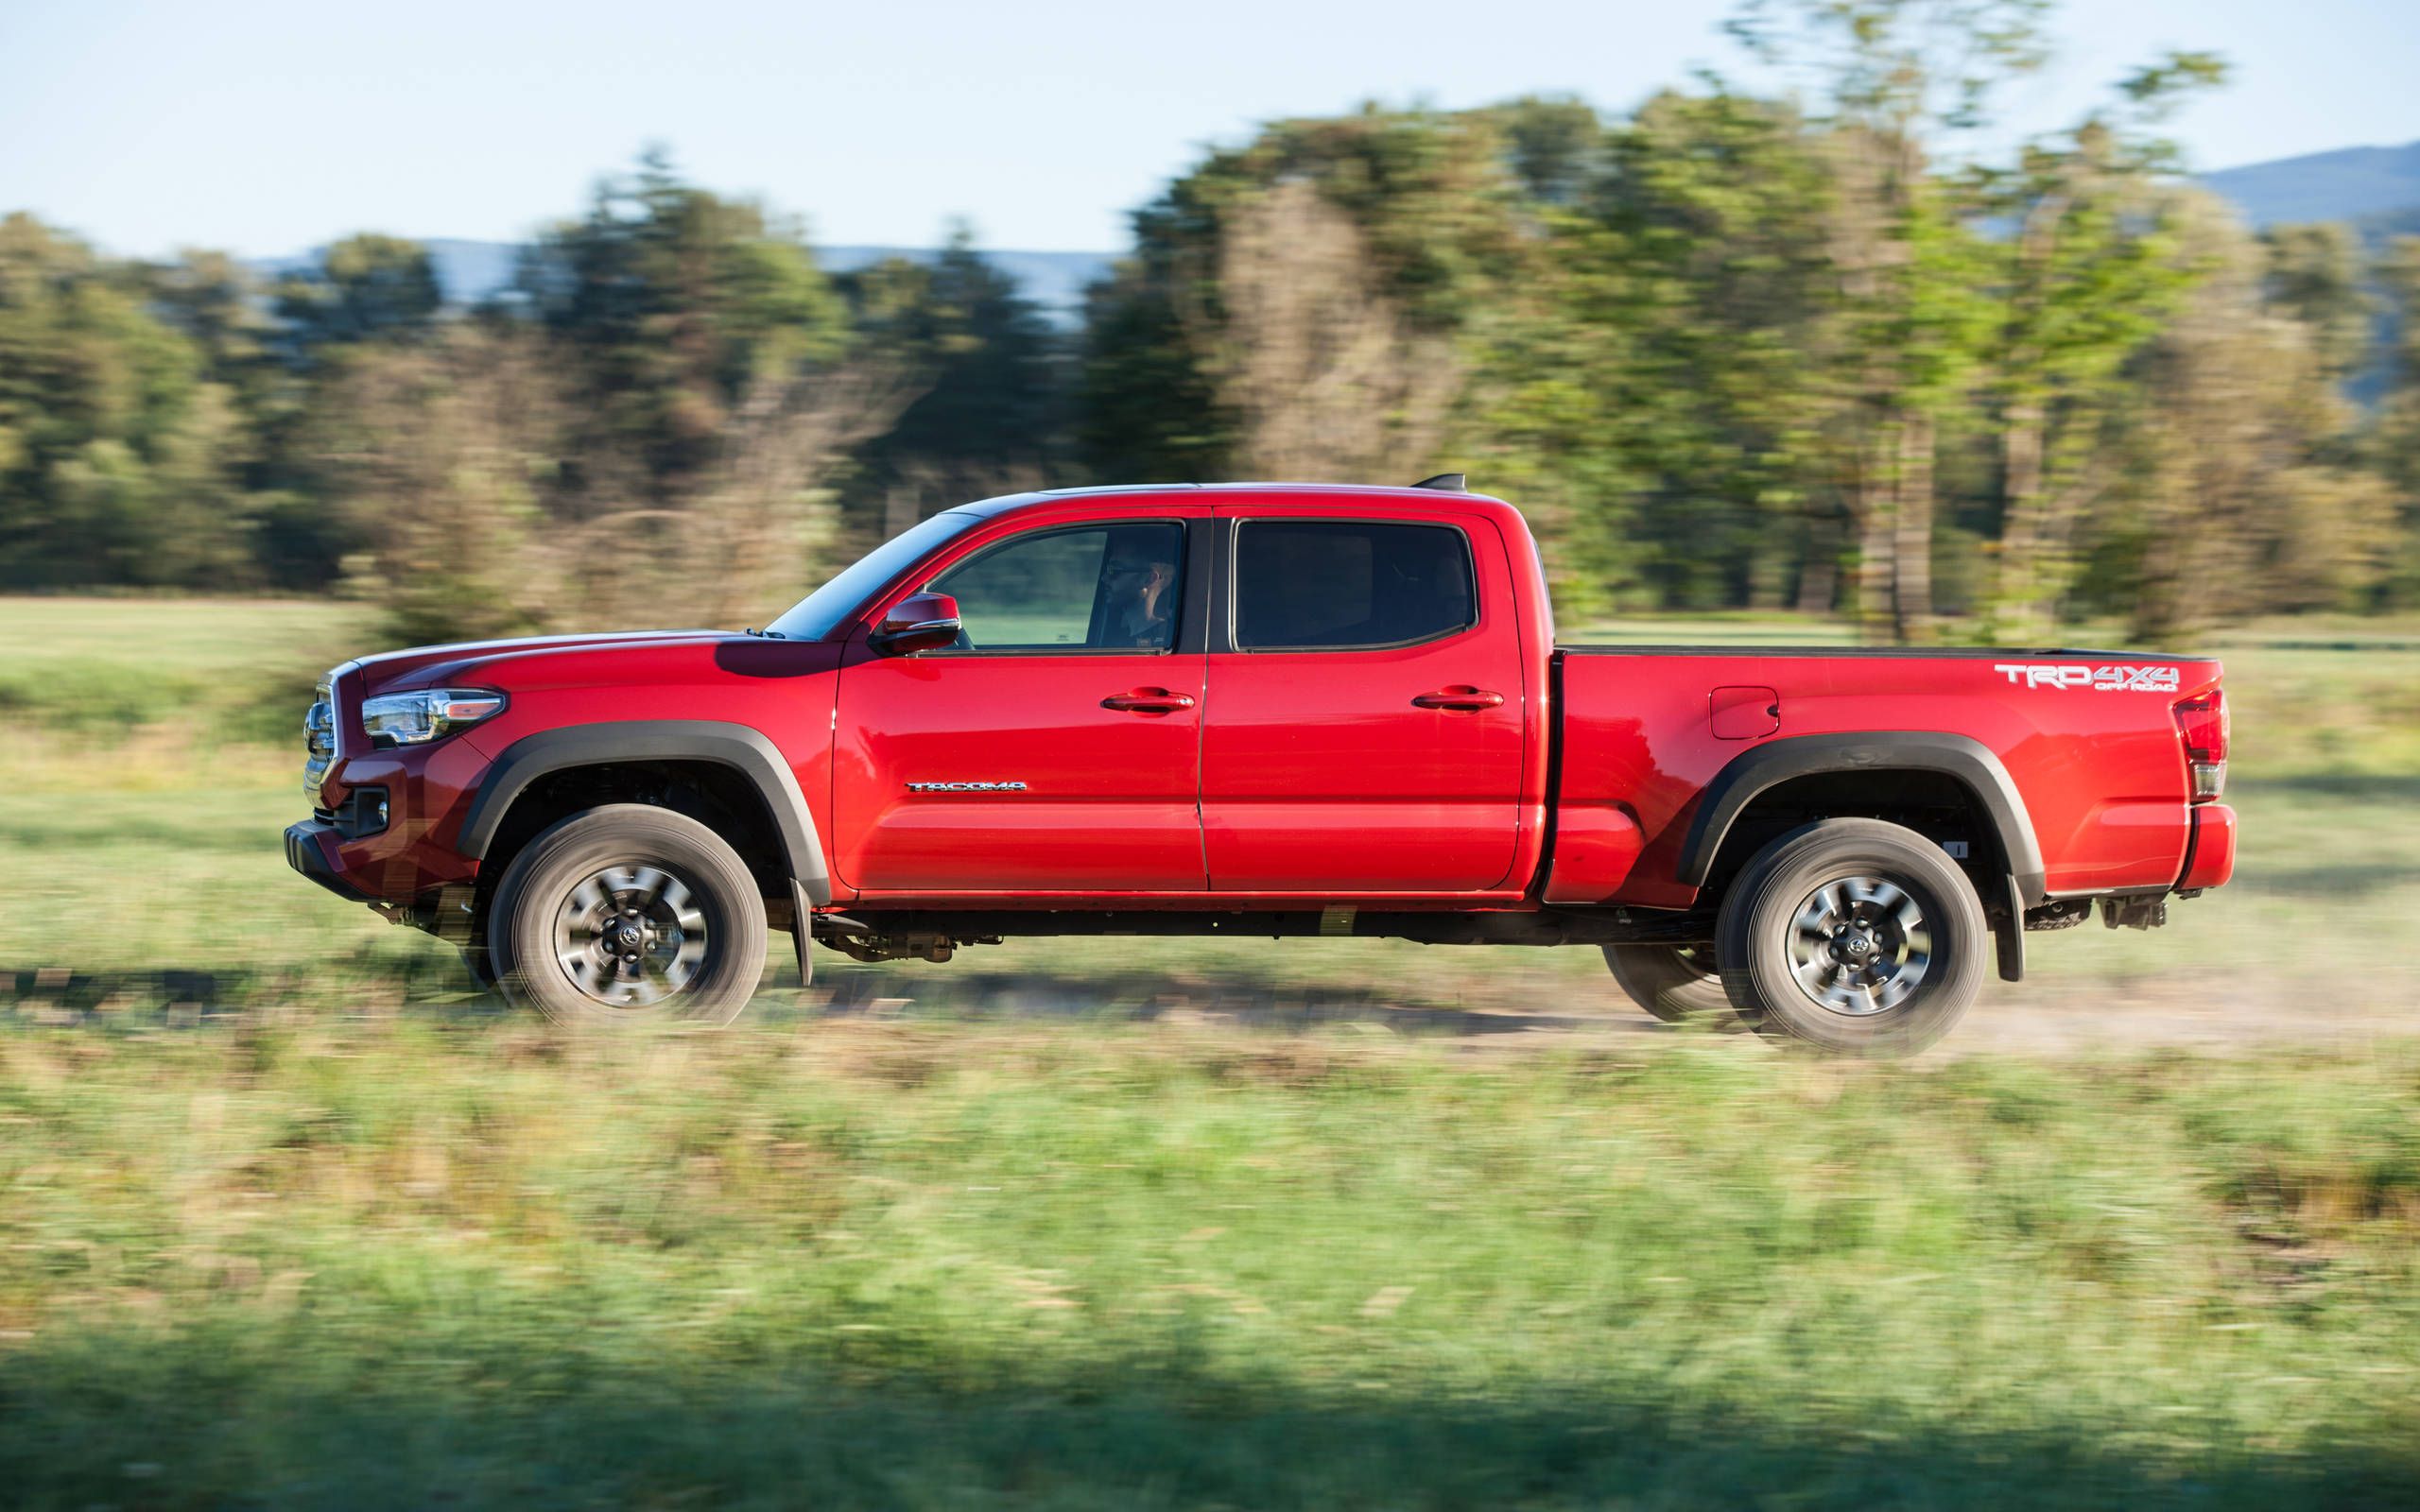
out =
column 1057, row 748
column 1366, row 707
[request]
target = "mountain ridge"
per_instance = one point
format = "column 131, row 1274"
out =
column 470, row 271
column 2376, row 188
column 2370, row 186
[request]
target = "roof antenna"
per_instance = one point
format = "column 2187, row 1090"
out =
column 1445, row 482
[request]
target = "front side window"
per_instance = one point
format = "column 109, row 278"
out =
column 1094, row 587
column 1336, row 585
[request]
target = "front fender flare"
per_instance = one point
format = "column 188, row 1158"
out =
column 1960, row 757
column 744, row 748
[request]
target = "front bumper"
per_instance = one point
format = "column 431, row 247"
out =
column 386, row 820
column 308, row 850
column 386, row 824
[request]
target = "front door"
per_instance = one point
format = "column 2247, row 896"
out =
column 1367, row 710
column 1056, row 749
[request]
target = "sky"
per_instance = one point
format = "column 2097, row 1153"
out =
column 268, row 129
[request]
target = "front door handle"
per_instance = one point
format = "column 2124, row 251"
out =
column 1462, row 698
column 1147, row 701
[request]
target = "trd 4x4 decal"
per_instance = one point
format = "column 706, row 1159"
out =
column 2098, row 680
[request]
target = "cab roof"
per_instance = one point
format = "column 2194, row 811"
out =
column 1009, row 503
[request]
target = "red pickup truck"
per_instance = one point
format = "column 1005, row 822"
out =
column 1261, row 711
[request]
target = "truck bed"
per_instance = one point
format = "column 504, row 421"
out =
column 1883, row 652
column 2086, row 738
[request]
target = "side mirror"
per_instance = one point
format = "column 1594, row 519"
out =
column 920, row 621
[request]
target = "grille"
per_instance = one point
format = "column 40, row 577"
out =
column 320, row 736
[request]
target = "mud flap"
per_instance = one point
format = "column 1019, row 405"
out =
column 803, row 930
column 2007, row 929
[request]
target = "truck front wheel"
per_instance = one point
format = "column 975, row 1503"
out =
column 627, row 915
column 1853, row 936
column 1676, row 982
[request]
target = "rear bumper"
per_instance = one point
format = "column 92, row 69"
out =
column 2209, row 855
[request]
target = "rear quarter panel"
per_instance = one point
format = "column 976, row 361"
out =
column 2089, row 741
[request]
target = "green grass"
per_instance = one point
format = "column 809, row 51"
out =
column 303, row 1262
column 219, row 670
column 155, row 843
column 348, row 1237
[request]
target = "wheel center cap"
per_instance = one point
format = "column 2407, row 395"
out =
column 623, row 936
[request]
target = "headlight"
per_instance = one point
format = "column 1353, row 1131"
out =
column 394, row 719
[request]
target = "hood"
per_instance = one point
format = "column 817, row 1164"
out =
column 430, row 666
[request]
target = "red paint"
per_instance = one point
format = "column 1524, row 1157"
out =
column 2103, row 774
column 1743, row 714
column 1336, row 771
column 2213, row 861
column 1596, row 845
column 1413, row 776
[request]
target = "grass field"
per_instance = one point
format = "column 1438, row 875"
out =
column 149, row 756
column 397, row 1264
column 344, row 1236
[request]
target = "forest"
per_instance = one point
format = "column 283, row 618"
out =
column 1849, row 346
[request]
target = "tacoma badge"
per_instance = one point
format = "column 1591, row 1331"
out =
column 966, row 787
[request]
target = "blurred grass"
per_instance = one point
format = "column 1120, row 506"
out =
column 356, row 1239
column 155, row 843
column 403, row 1262
column 222, row 670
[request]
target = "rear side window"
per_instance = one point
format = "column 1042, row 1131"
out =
column 1342, row 584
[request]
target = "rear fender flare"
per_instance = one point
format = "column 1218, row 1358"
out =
column 1960, row 757
column 741, row 748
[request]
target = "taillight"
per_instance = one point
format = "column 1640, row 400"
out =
column 2202, row 721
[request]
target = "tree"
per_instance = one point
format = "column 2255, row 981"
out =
column 2317, row 275
column 2234, row 504
column 2395, row 443
column 1897, row 79
column 1652, row 385
column 1438, row 215
column 992, row 370
column 216, row 302
column 367, row 287
column 1325, row 376
column 449, row 453
column 456, row 456
column 2086, row 276
column 119, row 459
column 1555, row 144
column 673, row 305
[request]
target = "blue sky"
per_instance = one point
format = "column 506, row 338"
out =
column 270, row 128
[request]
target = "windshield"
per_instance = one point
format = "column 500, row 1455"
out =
column 817, row 616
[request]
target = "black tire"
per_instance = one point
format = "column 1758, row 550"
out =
column 1891, row 981
column 1676, row 982
column 669, row 891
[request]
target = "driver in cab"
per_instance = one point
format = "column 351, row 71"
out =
column 1136, row 585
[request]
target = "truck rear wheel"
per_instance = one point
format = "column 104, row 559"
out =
column 1852, row 935
column 1676, row 982
column 627, row 915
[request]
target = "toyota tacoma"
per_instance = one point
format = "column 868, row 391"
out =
column 1260, row 711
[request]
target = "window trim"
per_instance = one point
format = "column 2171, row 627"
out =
column 1188, row 612
column 1231, row 560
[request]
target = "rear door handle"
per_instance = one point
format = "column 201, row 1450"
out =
column 1147, row 701
column 1463, row 697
